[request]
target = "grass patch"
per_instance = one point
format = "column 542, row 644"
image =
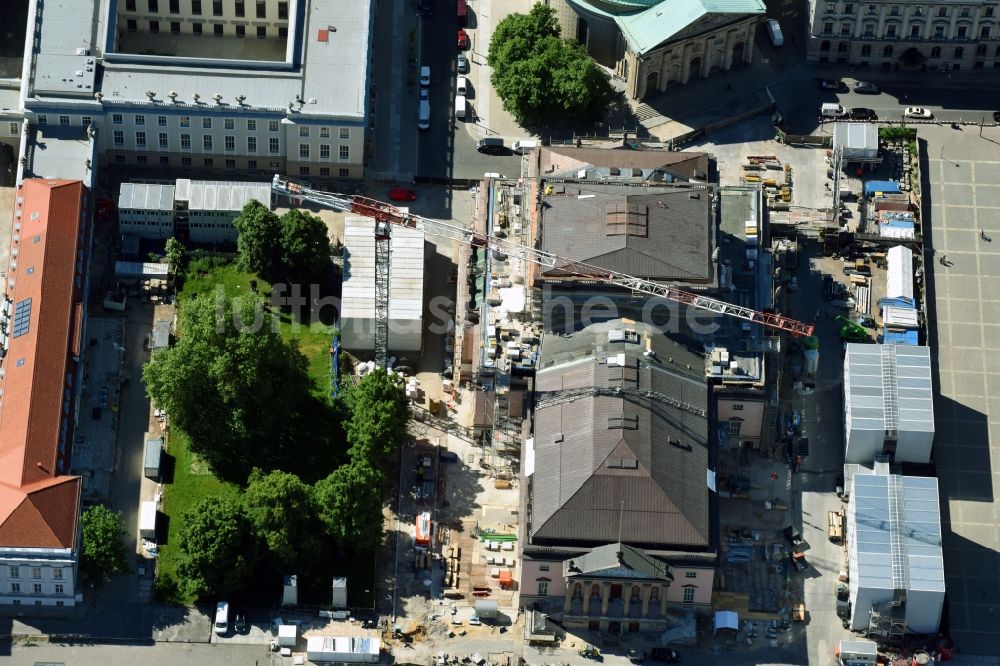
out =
column 192, row 480
column 190, row 485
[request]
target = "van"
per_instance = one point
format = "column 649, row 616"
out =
column 832, row 110
column 774, row 32
column 462, row 12
column 462, row 85
column 222, row 618
column 522, row 146
column 424, row 117
column 491, row 145
column 460, row 106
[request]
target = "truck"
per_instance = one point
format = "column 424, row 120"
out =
column 151, row 464
column 147, row 520
column 343, row 649
column 835, row 526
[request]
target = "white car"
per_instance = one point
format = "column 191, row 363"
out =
column 425, row 75
column 425, row 93
column 917, row 112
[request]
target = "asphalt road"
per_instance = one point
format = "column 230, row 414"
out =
column 447, row 149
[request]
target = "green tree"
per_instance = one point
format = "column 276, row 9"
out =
column 236, row 390
column 258, row 242
column 305, row 247
column 217, row 549
column 349, row 504
column 281, row 510
column 541, row 77
column 103, row 552
column 175, row 255
column 379, row 412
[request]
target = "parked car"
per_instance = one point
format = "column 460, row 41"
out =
column 241, row 626
column 463, row 39
column 636, row 656
column 426, row 8
column 832, row 110
column 463, row 64
column 425, row 93
column 861, row 113
column 917, row 112
column 996, row 116
column 425, row 75
column 669, row 655
column 828, row 290
column 866, row 88
column 832, row 84
column 402, row 194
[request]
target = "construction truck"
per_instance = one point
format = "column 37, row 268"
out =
column 851, row 331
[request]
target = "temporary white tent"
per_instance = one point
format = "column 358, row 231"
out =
column 727, row 620
column 899, row 277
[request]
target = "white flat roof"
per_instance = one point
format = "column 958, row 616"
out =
column 873, row 403
column 221, row 195
column 406, row 272
column 146, row 196
column 919, row 532
column 330, row 76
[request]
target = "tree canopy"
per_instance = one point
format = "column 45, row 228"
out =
column 379, row 412
column 281, row 511
column 237, row 391
column 102, row 555
column 217, row 547
column 541, row 77
column 349, row 504
column 293, row 248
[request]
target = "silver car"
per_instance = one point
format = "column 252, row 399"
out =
column 463, row 64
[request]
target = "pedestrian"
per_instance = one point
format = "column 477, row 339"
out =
column 944, row 260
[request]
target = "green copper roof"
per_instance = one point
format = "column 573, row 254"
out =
column 648, row 23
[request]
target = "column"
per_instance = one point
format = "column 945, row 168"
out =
column 727, row 57
column 645, row 599
column 663, row 601
column 750, row 29
column 568, row 597
column 605, row 594
column 586, row 598
column 685, row 62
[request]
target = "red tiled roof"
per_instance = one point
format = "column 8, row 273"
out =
column 37, row 505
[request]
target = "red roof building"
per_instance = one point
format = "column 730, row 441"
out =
column 42, row 320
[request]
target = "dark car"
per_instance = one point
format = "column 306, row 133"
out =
column 866, row 88
column 861, row 113
column 996, row 116
column 636, row 656
column 241, row 626
column 665, row 654
column 828, row 288
column 426, row 8
column 832, row 84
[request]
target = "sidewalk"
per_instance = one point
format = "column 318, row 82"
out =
column 493, row 119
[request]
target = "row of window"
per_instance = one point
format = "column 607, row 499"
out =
column 543, row 590
column 894, row 10
column 230, row 164
column 36, row 588
column 218, row 29
column 206, row 123
column 888, row 50
column 36, row 572
column 239, row 8
column 891, row 32
column 139, row 120
column 207, row 144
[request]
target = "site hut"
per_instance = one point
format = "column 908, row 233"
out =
column 206, row 209
column 888, row 403
column 895, row 561
column 406, row 287
column 856, row 143
column 146, row 210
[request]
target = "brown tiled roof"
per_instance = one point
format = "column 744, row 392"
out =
column 38, row 505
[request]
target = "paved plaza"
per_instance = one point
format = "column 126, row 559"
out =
column 963, row 200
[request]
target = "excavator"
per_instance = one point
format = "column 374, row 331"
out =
column 852, row 331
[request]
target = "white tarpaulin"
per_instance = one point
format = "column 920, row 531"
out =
column 899, row 277
column 899, row 317
column 727, row 620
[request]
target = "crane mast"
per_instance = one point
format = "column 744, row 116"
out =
column 387, row 216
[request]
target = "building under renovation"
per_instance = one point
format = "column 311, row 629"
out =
column 406, row 287
column 888, row 403
column 895, row 560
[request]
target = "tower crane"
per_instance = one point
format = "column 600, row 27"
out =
column 387, row 216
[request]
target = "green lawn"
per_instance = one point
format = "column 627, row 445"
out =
column 192, row 480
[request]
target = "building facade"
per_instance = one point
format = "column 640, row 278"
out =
column 259, row 87
column 42, row 326
column 891, row 35
column 654, row 45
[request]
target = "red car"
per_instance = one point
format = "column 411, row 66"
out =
column 463, row 39
column 402, row 194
